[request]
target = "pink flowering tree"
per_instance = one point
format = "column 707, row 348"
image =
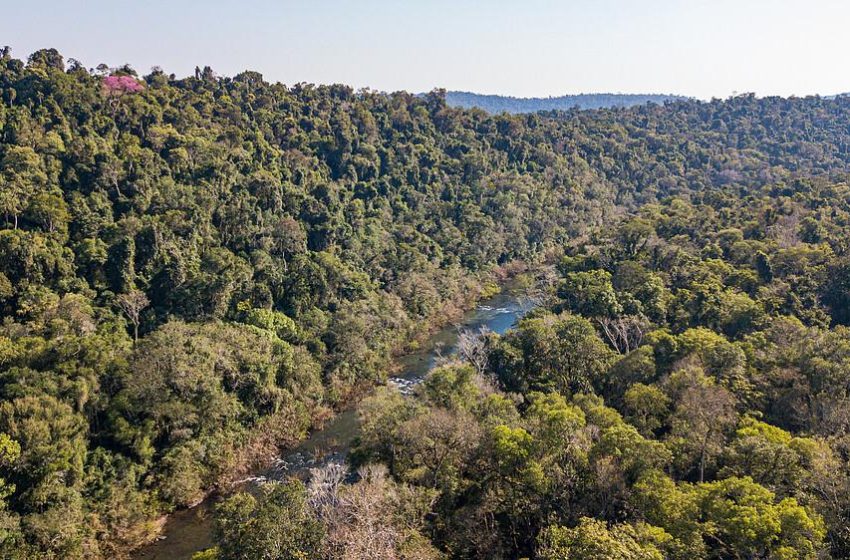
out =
column 116, row 86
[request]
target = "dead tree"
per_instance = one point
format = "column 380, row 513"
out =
column 132, row 303
column 472, row 348
column 625, row 333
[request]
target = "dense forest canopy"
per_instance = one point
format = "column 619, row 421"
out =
column 194, row 272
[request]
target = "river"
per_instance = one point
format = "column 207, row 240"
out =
column 190, row 530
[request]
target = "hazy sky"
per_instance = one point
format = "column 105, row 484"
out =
column 522, row 47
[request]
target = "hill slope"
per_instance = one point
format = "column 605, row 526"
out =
column 506, row 104
column 274, row 246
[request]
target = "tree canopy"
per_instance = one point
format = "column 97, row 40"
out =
column 196, row 271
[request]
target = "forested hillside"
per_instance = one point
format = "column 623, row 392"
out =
column 193, row 272
column 681, row 395
column 505, row 104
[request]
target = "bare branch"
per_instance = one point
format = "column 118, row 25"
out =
column 472, row 348
column 624, row 333
column 132, row 303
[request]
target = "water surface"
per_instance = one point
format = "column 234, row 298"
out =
column 189, row 531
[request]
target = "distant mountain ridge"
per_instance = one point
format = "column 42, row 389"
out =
column 507, row 104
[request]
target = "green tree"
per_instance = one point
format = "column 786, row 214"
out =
column 647, row 407
column 559, row 352
column 276, row 526
column 595, row 540
column 590, row 294
column 21, row 175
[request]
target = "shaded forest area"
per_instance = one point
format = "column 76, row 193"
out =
column 193, row 272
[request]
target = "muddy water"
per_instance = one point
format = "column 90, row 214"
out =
column 189, row 531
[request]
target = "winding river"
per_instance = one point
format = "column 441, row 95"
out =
column 189, row 531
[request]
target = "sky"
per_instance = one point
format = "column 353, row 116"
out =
column 524, row 48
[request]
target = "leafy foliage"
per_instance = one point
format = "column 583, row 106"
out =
column 193, row 272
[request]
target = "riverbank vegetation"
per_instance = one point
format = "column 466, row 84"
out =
column 682, row 393
column 195, row 271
